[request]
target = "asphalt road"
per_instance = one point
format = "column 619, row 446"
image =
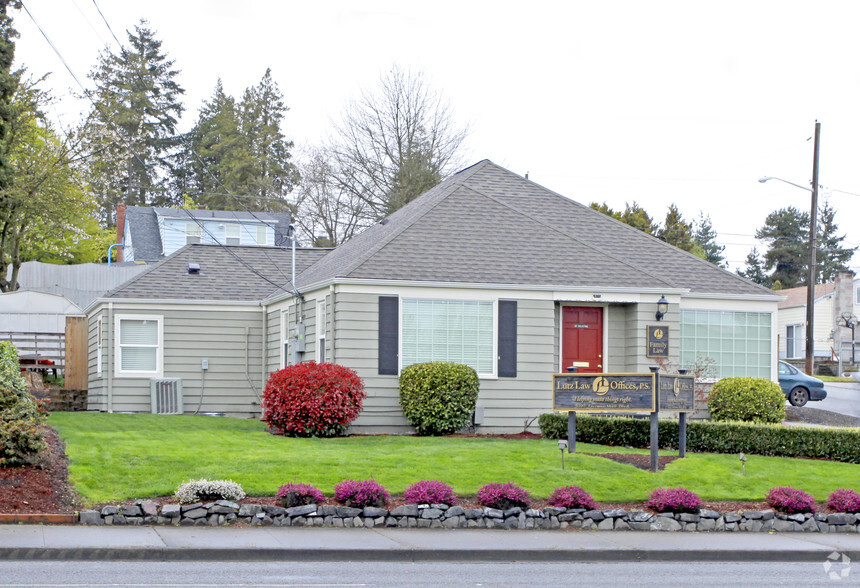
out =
column 841, row 398
column 349, row 574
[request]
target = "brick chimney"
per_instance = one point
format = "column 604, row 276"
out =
column 120, row 231
column 843, row 302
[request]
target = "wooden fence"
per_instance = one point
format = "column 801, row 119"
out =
column 67, row 350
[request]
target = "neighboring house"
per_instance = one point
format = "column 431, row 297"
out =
column 150, row 234
column 832, row 300
column 487, row 269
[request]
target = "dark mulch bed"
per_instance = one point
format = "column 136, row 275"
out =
column 638, row 460
column 40, row 488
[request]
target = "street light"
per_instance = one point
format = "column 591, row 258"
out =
column 813, row 229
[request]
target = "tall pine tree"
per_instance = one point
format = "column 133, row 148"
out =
column 754, row 270
column 830, row 255
column 131, row 131
column 705, row 237
column 676, row 231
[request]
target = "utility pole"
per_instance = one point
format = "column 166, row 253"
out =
column 811, row 278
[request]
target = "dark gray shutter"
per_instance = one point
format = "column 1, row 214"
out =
column 389, row 332
column 507, row 339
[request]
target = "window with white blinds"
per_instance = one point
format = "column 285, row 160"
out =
column 233, row 234
column 139, row 345
column 193, row 233
column 262, row 236
column 461, row 331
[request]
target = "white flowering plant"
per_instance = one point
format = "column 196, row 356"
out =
column 200, row 490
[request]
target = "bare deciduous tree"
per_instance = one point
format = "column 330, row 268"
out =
column 395, row 142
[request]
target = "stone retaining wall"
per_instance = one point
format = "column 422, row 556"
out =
column 223, row 512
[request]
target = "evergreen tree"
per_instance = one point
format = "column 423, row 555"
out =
column 635, row 216
column 786, row 232
column 830, row 255
column 754, row 269
column 605, row 209
column 705, row 237
column 131, row 130
column 676, row 231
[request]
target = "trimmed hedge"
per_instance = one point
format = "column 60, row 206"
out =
column 708, row 437
column 438, row 397
column 753, row 400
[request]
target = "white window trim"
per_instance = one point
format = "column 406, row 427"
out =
column 159, row 353
column 285, row 333
column 99, row 346
column 196, row 232
column 238, row 235
column 495, row 362
column 797, row 327
column 321, row 327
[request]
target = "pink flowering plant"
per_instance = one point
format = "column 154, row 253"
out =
column 844, row 500
column 503, row 496
column 790, row 500
column 430, row 492
column 299, row 495
column 674, row 500
column 571, row 497
column 361, row 493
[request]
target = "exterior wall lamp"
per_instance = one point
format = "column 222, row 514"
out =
column 662, row 308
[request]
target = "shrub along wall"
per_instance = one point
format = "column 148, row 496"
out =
column 708, row 437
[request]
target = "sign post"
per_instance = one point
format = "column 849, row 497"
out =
column 655, row 427
column 675, row 394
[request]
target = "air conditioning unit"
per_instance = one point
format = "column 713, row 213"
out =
column 166, row 395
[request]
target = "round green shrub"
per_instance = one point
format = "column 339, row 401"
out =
column 754, row 400
column 21, row 416
column 438, row 398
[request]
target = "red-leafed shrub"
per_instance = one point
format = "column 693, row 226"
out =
column 431, row 492
column 294, row 494
column 571, row 497
column 844, row 500
column 674, row 500
column 361, row 493
column 312, row 399
column 503, row 496
column 790, row 500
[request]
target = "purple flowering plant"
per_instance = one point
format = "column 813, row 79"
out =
column 571, row 497
column 790, row 500
column 844, row 500
column 361, row 493
column 674, row 500
column 294, row 494
column 430, row 492
column 503, row 496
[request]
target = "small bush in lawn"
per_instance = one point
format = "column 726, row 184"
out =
column 503, row 496
column 844, row 500
column 674, row 500
column 431, row 492
column 790, row 500
column 299, row 495
column 312, row 399
column 21, row 415
column 207, row 490
column 438, row 398
column 361, row 493
column 753, row 400
column 571, row 497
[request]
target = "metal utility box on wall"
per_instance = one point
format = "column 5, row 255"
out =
column 166, row 395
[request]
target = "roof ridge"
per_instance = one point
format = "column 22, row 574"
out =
column 148, row 270
column 566, row 235
column 443, row 189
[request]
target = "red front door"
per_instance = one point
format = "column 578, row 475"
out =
column 582, row 338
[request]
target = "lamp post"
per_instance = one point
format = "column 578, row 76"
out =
column 813, row 229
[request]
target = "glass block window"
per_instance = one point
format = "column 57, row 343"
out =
column 449, row 330
column 738, row 343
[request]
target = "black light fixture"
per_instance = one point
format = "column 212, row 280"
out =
column 662, row 308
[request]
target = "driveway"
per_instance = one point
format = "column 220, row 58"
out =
column 841, row 399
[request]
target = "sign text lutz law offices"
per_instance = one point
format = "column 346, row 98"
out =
column 604, row 392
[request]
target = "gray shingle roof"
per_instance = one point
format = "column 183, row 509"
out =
column 487, row 225
column 143, row 226
column 226, row 273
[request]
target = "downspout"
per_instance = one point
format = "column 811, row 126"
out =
column 110, row 370
column 333, row 328
column 264, row 347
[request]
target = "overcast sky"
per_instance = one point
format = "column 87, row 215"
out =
column 654, row 102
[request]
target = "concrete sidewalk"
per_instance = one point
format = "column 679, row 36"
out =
column 30, row 542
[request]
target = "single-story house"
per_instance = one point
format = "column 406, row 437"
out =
column 487, row 269
column 831, row 301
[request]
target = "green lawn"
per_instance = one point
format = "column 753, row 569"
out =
column 836, row 379
column 117, row 456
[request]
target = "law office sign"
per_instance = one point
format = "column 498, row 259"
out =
column 657, row 341
column 604, row 392
column 675, row 392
